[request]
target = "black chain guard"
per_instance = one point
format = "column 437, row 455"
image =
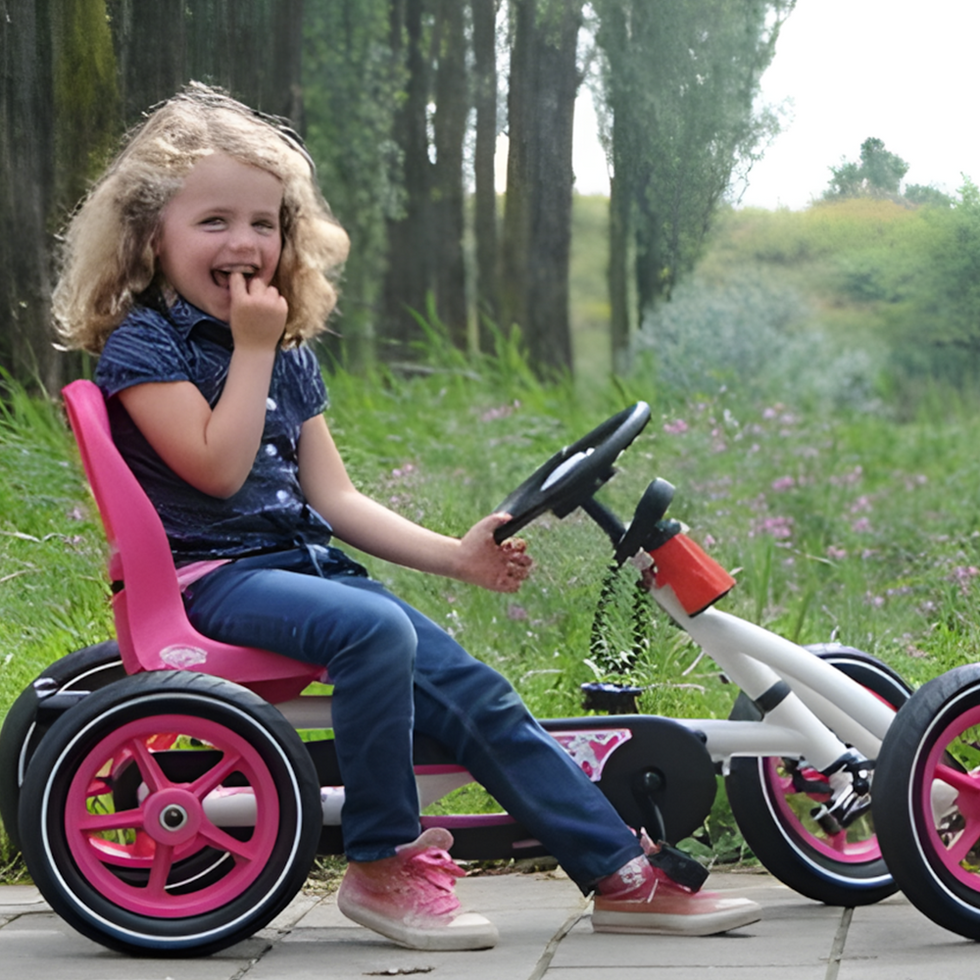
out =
column 683, row 782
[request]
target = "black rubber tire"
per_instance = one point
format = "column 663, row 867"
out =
column 214, row 886
column 789, row 849
column 940, row 725
column 88, row 669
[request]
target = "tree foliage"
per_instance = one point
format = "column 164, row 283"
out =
column 354, row 80
column 945, row 309
column 677, row 90
column 879, row 173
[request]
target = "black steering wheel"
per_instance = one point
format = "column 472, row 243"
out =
column 573, row 475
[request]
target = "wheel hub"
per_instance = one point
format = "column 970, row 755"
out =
column 172, row 816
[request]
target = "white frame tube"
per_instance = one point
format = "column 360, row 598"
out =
column 826, row 708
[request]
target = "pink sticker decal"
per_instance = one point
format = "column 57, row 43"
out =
column 591, row 748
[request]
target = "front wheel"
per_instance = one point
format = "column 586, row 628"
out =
column 927, row 800
column 170, row 814
column 773, row 801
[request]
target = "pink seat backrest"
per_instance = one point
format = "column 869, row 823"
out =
column 151, row 624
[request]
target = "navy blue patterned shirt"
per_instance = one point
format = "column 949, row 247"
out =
column 269, row 512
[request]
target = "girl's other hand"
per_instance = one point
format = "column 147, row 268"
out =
column 483, row 562
column 258, row 312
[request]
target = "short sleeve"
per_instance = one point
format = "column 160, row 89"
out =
column 311, row 391
column 144, row 348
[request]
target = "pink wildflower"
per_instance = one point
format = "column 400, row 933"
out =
column 861, row 505
column 501, row 412
column 777, row 527
column 675, row 428
column 848, row 479
column 963, row 575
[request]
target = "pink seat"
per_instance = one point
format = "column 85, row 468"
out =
column 151, row 625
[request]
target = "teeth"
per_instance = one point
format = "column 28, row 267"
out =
column 222, row 276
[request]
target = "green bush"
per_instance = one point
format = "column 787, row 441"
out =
column 891, row 282
column 756, row 335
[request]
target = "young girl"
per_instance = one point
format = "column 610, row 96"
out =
column 197, row 267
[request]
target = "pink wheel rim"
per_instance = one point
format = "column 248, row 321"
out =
column 955, row 838
column 856, row 844
column 164, row 857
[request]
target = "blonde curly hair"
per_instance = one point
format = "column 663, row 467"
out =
column 109, row 256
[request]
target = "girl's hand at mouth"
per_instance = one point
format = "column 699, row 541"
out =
column 258, row 312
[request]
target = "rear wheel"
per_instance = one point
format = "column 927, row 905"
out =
column 773, row 801
column 89, row 669
column 176, row 814
column 927, row 808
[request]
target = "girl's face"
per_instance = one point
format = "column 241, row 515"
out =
column 224, row 219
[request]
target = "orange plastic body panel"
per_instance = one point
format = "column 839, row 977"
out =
column 697, row 580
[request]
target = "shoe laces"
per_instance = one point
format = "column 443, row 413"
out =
column 636, row 881
column 418, row 882
column 430, row 876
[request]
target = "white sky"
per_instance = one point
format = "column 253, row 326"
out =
column 904, row 71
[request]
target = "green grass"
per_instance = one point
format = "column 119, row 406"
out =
column 53, row 592
column 836, row 523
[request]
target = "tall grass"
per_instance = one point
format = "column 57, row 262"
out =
column 52, row 584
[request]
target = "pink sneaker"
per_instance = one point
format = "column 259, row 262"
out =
column 640, row 898
column 410, row 897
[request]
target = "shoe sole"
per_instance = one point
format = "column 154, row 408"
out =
column 468, row 931
column 660, row 924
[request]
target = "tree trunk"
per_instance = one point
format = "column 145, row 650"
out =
column 250, row 47
column 651, row 262
column 407, row 277
column 27, row 180
column 150, row 42
column 485, row 192
column 446, row 197
column 73, row 74
column 537, row 225
column 618, row 274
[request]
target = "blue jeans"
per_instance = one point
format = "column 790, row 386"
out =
column 394, row 670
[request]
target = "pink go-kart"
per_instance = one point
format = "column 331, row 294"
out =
column 166, row 803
